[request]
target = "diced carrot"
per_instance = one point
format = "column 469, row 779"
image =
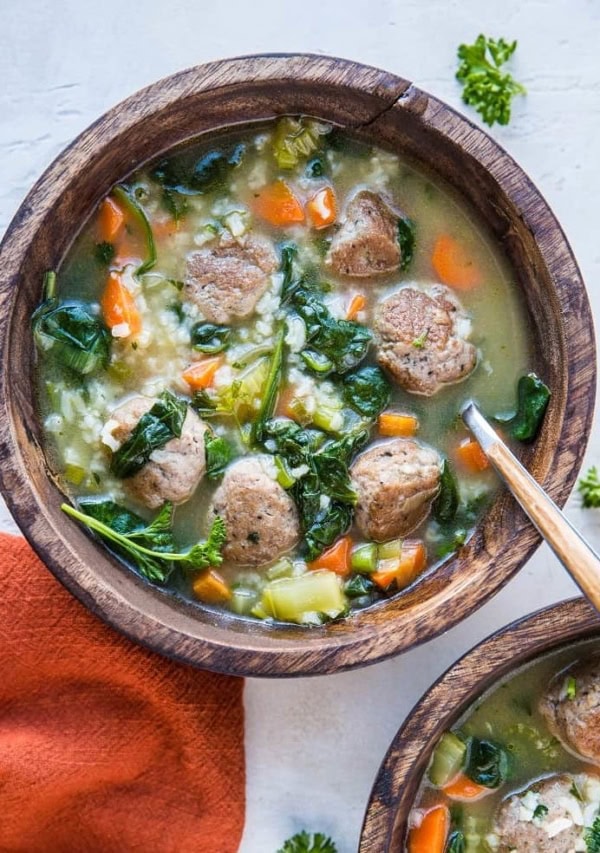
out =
column 201, row 374
column 322, row 208
column 278, row 205
column 211, row 588
column 110, row 219
column 357, row 303
column 463, row 788
column 119, row 308
column 412, row 561
column 453, row 264
column 431, row 835
column 470, row 454
column 394, row 423
column 336, row 558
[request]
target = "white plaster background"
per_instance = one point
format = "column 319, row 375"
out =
column 313, row 745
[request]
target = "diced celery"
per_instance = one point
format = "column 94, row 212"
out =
column 259, row 611
column 243, row 600
column 328, row 418
column 448, row 759
column 391, row 550
column 284, row 477
column 74, row 474
column 364, row 558
column 296, row 139
column 290, row 598
column 281, row 569
column 297, row 407
column 249, row 389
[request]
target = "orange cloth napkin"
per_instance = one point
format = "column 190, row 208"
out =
column 104, row 746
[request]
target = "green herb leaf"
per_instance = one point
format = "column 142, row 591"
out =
column 406, row 240
column 367, row 391
column 358, row 586
column 589, row 488
column 419, row 342
column 303, row 842
column 532, row 400
column 487, row 763
column 163, row 422
column 446, row 503
column 592, row 837
column 486, row 87
column 571, row 688
column 540, row 811
column 104, row 253
column 210, row 338
column 219, row 453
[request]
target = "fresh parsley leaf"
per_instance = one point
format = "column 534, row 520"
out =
column 419, row 342
column 540, row 811
column 303, row 842
column 589, row 488
column 486, row 87
column 592, row 837
column 163, row 422
column 104, row 253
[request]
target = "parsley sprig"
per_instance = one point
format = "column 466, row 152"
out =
column 303, row 842
column 487, row 87
column 589, row 488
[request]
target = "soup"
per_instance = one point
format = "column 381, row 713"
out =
column 520, row 770
column 251, row 365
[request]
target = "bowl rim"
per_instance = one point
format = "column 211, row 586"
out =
column 314, row 651
column 479, row 669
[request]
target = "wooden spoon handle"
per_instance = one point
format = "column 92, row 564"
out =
column 576, row 555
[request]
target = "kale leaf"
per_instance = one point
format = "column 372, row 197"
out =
column 154, row 429
column 303, row 842
column 367, row 391
column 486, row 87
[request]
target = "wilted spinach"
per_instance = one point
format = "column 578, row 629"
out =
column 406, row 240
column 367, row 391
column 487, row 763
column 186, row 174
column 219, row 453
column 210, row 338
column 533, row 397
column 155, row 428
column 446, row 503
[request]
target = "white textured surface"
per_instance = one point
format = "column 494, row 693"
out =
column 314, row 746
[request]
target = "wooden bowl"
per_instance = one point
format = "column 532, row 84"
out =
column 400, row 774
column 393, row 113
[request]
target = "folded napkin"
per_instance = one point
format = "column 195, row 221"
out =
column 104, row 746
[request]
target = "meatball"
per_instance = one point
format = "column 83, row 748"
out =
column 396, row 483
column 261, row 518
column 421, row 339
column 226, row 279
column 556, row 830
column 366, row 244
column 575, row 717
column 173, row 471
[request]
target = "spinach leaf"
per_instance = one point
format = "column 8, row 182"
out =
column 187, row 175
column 73, row 336
column 163, row 422
column 270, row 390
column 210, row 338
column 456, row 842
column 289, row 253
column 446, row 503
column 174, row 203
column 137, row 219
column 532, row 400
column 219, row 453
column 592, row 837
column 104, row 253
column 487, row 763
column 327, row 526
column 342, row 342
column 367, row 391
column 457, row 529
column 150, row 548
column 358, row 586
column 406, row 240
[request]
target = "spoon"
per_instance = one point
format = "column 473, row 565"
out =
column 571, row 549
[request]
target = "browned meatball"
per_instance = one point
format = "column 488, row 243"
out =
column 261, row 518
column 396, row 483
column 366, row 244
column 575, row 719
column 420, row 341
column 173, row 471
column 227, row 278
column 554, row 831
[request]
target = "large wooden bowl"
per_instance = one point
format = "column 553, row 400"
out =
column 393, row 113
column 399, row 777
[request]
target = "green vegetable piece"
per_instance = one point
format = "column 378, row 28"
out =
column 74, row 474
column 163, row 422
column 532, row 400
column 243, row 600
column 487, row 763
column 592, row 837
column 540, row 811
column 358, row 586
column 284, row 477
column 281, row 569
column 151, row 547
column 174, row 203
column 315, row 168
column 138, row 216
column 448, row 759
column 456, row 842
column 406, row 241
column 367, row 391
column 104, row 253
column 290, row 599
column 270, row 390
column 589, row 488
column 446, row 503
column 391, row 550
column 70, row 334
column 419, row 342
column 317, row 362
column 302, row 842
column 486, row 87
column 364, row 558
column 289, row 284
column 184, row 174
column 210, row 338
column 571, row 688
column 219, row 453
column 296, row 139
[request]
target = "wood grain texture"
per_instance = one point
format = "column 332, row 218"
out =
column 388, row 111
column 400, row 774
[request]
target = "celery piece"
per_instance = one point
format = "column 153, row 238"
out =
column 328, row 419
column 391, row 550
column 296, row 139
column 290, row 599
column 297, row 407
column 74, row 474
column 284, row 477
column 364, row 558
column 259, row 611
column 448, row 759
column 243, row 600
column 281, row 569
